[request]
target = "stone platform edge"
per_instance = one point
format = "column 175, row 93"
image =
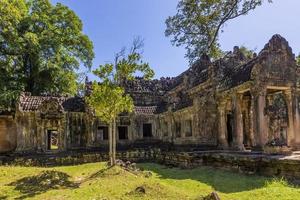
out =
column 247, row 163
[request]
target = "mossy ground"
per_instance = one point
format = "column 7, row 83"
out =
column 96, row 181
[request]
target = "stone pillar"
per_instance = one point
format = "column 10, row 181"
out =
column 172, row 133
column 238, row 119
column 290, row 129
column 261, row 120
column 297, row 121
column 131, row 128
column 252, row 116
column 247, row 123
column 222, row 132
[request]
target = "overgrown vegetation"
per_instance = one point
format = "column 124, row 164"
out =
column 108, row 97
column 198, row 23
column 41, row 47
column 96, row 181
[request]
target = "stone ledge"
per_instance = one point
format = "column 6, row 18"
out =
column 260, row 164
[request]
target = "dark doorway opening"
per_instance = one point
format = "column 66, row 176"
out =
column 229, row 129
column 102, row 133
column 52, row 140
column 147, row 130
column 246, row 133
column 123, row 132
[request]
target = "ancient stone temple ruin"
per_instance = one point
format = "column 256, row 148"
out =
column 236, row 103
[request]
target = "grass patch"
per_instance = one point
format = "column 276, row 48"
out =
column 96, row 181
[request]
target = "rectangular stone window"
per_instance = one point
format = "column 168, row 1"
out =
column 188, row 128
column 123, row 132
column 102, row 133
column 178, row 129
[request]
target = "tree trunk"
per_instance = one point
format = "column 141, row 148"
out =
column 111, row 163
column 112, row 143
column 114, row 146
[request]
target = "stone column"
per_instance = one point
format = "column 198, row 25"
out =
column 297, row 121
column 238, row 119
column 172, row 134
column 247, row 125
column 261, row 120
column 290, row 129
column 170, row 124
column 252, row 116
column 222, row 132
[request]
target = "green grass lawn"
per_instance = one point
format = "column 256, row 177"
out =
column 96, row 181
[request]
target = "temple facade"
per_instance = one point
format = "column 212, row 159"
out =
column 238, row 102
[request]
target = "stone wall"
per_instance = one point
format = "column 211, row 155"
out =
column 7, row 134
column 250, row 164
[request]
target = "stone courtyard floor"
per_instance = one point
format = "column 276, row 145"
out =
column 96, row 181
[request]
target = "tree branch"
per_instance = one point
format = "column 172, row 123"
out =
column 224, row 19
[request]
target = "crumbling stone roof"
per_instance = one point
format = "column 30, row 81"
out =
column 140, row 85
column 199, row 72
column 277, row 44
column 150, row 96
column 230, row 70
column 235, row 70
column 28, row 103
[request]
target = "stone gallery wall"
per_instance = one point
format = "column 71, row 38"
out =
column 229, row 103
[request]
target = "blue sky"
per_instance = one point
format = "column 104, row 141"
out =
column 112, row 24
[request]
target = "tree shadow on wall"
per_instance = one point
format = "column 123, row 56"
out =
column 221, row 180
column 46, row 180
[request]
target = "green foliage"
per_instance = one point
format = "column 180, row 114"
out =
column 198, row 22
column 41, row 47
column 298, row 60
column 108, row 98
column 247, row 52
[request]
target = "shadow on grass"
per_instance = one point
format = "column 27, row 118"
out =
column 98, row 174
column 3, row 197
column 46, row 180
column 220, row 180
column 107, row 171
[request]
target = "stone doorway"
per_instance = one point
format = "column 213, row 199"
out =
column 52, row 140
column 147, row 130
column 102, row 133
column 278, row 120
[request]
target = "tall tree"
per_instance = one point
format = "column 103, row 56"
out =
column 41, row 47
column 198, row 23
column 108, row 97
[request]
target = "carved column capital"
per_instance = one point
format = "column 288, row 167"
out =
column 288, row 94
column 258, row 91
